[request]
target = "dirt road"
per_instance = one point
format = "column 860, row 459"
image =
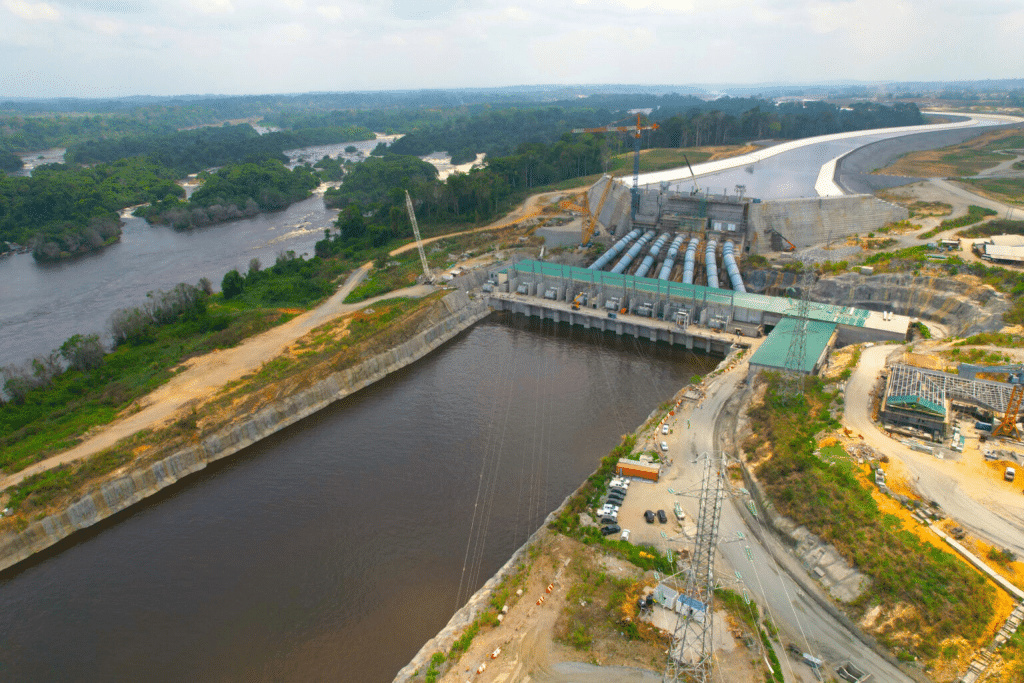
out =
column 205, row 374
column 972, row 495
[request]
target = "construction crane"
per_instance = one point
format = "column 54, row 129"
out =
column 636, row 131
column 693, row 176
column 419, row 240
column 590, row 222
column 1008, row 426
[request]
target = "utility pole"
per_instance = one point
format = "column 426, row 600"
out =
column 690, row 655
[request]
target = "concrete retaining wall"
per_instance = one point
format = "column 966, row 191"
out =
column 118, row 494
column 808, row 222
column 614, row 217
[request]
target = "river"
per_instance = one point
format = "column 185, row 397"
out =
column 334, row 549
column 41, row 305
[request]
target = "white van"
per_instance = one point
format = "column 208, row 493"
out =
column 664, row 447
column 1009, row 474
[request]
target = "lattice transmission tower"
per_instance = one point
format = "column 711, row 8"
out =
column 690, row 655
column 793, row 369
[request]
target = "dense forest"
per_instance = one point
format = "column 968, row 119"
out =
column 64, row 209
column 189, row 151
column 235, row 191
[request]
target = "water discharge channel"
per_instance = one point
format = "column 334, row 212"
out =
column 336, row 548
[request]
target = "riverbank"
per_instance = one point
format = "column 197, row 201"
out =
column 447, row 317
column 464, row 619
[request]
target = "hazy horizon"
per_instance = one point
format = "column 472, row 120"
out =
column 123, row 48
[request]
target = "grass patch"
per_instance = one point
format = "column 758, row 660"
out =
column 945, row 596
column 1008, row 190
column 53, row 418
column 975, row 214
column 998, row 226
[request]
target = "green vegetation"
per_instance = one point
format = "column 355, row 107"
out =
column 974, row 215
column 188, row 151
column 657, row 159
column 53, row 402
column 64, row 210
column 10, row 162
column 945, row 595
column 1003, row 557
column 1009, row 190
column 993, row 339
column 290, row 283
column 235, row 191
column 997, row 226
column 922, row 330
column 920, row 208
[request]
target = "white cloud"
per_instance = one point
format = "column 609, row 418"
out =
column 213, row 6
column 329, row 12
column 33, row 11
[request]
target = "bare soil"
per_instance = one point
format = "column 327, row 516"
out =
column 534, row 639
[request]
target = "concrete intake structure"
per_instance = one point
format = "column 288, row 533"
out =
column 633, row 251
column 711, row 264
column 670, row 258
column 689, row 259
column 652, row 254
column 616, row 249
column 731, row 268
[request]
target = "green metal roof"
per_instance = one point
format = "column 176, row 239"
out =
column 775, row 348
column 843, row 315
column 916, row 403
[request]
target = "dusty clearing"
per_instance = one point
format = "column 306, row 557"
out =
column 574, row 635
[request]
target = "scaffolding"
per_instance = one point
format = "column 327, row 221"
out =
column 930, row 389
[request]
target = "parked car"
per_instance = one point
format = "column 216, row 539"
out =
column 625, row 535
column 616, row 496
column 662, row 517
column 664, row 429
column 610, row 529
column 664, row 446
column 649, row 517
column 609, row 519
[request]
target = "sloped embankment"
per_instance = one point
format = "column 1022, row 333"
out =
column 453, row 314
column 961, row 304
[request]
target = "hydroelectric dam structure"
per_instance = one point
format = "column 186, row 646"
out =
column 695, row 316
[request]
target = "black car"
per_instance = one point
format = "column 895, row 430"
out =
column 662, row 517
column 649, row 517
column 621, row 489
column 608, row 520
column 616, row 496
column 610, row 529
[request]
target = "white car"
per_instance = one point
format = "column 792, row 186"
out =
column 664, row 429
column 664, row 447
column 625, row 535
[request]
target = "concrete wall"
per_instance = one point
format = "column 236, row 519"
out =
column 807, row 222
column 459, row 313
column 614, row 218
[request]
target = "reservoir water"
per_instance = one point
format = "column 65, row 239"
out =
column 333, row 550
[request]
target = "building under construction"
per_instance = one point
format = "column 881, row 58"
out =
column 924, row 400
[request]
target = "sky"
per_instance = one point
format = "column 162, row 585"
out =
column 111, row 48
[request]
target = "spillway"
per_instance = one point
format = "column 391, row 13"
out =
column 652, row 254
column 731, row 268
column 670, row 258
column 633, row 251
column 711, row 264
column 616, row 249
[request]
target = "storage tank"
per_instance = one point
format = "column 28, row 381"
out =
column 731, row 268
column 670, row 258
column 633, row 251
column 711, row 264
column 616, row 249
column 689, row 259
column 652, row 254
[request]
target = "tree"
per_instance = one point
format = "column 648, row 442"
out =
column 83, row 353
column 232, row 284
